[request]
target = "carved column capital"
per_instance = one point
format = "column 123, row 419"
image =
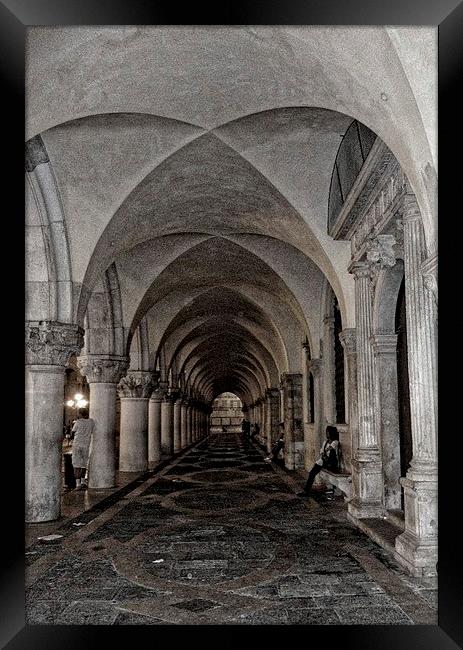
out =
column 315, row 366
column 272, row 393
column 137, row 383
column 103, row 369
column 380, row 251
column 52, row 343
column 360, row 269
column 348, row 338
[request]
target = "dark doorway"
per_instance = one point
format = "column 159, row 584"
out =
column 339, row 366
column 405, row 426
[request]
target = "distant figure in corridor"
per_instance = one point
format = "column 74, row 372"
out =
column 329, row 458
column 246, row 427
column 82, row 430
column 255, row 430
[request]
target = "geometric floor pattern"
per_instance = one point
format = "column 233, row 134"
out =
column 219, row 536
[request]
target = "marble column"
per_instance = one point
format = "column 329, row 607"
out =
column 272, row 396
column 367, row 480
column 417, row 546
column 315, row 368
column 49, row 344
column 177, row 421
column 134, row 392
column 103, row 373
column 306, row 413
column 348, row 338
column 292, row 403
column 385, row 351
column 154, row 426
column 183, row 423
column 329, row 386
column 167, row 422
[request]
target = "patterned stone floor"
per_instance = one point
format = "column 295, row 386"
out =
column 218, row 536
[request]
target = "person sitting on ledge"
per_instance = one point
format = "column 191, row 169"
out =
column 278, row 445
column 329, row 458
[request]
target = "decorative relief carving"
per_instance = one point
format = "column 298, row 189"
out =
column 52, row 343
column 382, row 209
column 137, row 383
column 103, row 369
column 429, row 271
column 380, row 251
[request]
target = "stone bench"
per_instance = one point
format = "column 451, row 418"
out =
column 341, row 481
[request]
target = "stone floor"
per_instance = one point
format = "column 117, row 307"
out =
column 216, row 536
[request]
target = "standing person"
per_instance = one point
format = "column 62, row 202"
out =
column 329, row 458
column 82, row 431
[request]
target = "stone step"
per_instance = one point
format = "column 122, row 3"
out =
column 397, row 518
column 381, row 531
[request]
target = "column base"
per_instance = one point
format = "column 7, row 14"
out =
column 358, row 509
column 417, row 556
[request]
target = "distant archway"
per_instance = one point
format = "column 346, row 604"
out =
column 226, row 414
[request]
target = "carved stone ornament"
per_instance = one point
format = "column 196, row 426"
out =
column 52, row 343
column 348, row 338
column 429, row 271
column 381, row 252
column 103, row 369
column 315, row 366
column 137, row 383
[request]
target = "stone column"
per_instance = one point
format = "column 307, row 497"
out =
column 183, row 424
column 417, row 546
column 272, row 396
column 134, row 391
column 306, row 412
column 49, row 345
column 329, row 385
column 154, row 426
column 366, row 462
column 177, row 422
column 167, row 422
column 292, row 402
column 385, row 351
column 315, row 367
column 189, row 429
column 348, row 338
column 103, row 373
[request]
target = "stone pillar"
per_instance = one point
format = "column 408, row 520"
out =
column 315, row 367
column 103, row 373
column 329, row 385
column 417, row 546
column 49, row 345
column 272, row 396
column 306, row 413
column 385, row 351
column 189, row 415
column 183, row 423
column 154, row 426
column 292, row 403
column 177, row 422
column 134, row 391
column 348, row 338
column 366, row 460
column 167, row 422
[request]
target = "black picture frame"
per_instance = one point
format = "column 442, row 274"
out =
column 15, row 17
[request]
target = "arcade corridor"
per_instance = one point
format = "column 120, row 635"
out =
column 215, row 535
